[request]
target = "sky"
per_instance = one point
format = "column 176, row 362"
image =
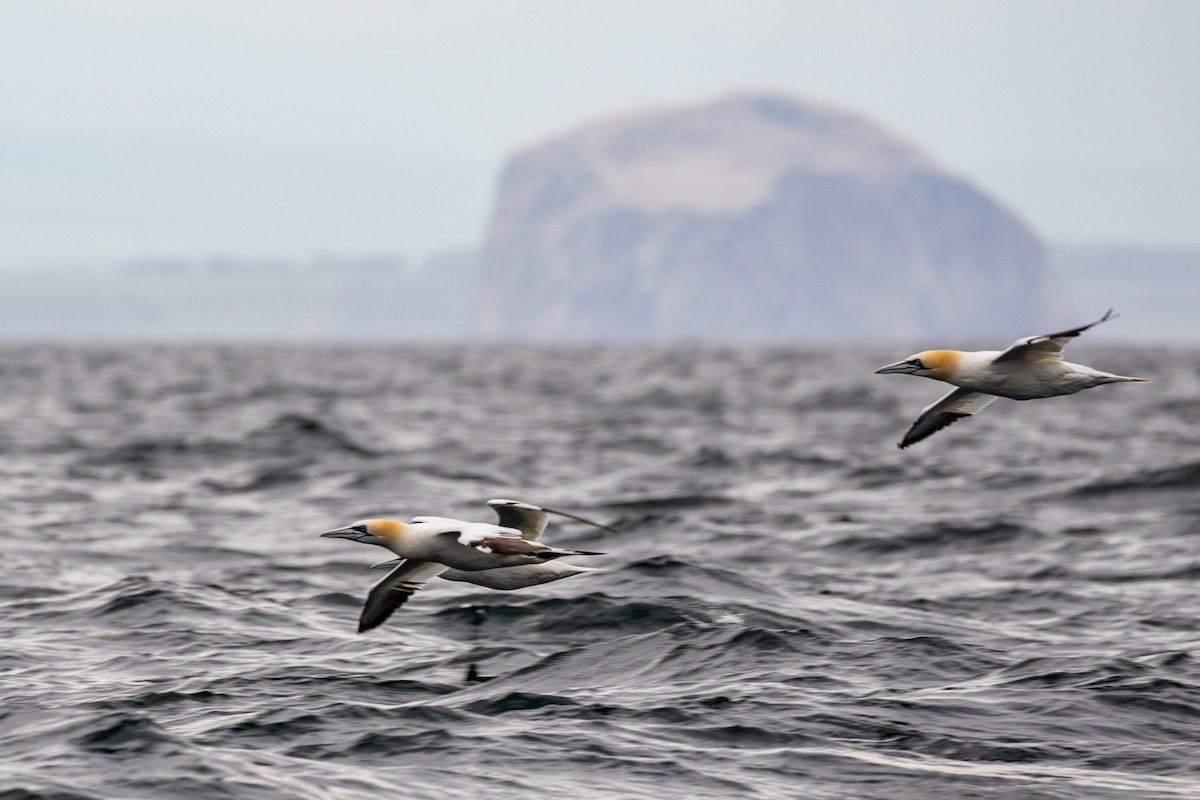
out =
column 139, row 128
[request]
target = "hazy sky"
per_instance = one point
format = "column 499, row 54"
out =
column 1084, row 117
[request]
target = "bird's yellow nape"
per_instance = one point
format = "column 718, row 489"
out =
column 384, row 528
column 941, row 363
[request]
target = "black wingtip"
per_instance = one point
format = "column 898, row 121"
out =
column 369, row 622
column 1108, row 315
column 578, row 518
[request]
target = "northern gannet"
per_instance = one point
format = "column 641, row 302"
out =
column 1030, row 368
column 524, row 522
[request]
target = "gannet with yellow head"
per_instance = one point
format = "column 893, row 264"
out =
column 1029, row 369
column 531, row 521
column 453, row 543
column 524, row 522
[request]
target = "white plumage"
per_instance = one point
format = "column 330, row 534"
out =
column 505, row 556
column 1031, row 368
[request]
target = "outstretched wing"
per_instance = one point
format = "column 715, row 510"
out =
column 1049, row 345
column 949, row 409
column 531, row 520
column 394, row 590
column 471, row 533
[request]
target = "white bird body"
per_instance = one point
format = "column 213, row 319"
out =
column 506, row 556
column 506, row 579
column 509, row 578
column 453, row 543
column 1024, row 379
column 1030, row 369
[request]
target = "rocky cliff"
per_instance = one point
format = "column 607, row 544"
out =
column 751, row 218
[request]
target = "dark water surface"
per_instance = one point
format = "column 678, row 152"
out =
column 795, row 608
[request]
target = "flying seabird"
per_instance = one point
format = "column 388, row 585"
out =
column 531, row 521
column 434, row 549
column 1030, row 368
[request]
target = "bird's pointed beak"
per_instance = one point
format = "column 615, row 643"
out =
column 347, row 532
column 899, row 368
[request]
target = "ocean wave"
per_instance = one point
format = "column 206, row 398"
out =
column 792, row 607
column 1184, row 476
column 939, row 536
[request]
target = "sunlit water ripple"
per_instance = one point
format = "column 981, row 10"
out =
column 795, row 608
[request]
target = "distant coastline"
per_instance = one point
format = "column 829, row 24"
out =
column 394, row 298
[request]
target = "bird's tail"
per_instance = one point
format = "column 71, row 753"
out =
column 582, row 570
column 558, row 552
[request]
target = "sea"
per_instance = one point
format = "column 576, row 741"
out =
column 792, row 608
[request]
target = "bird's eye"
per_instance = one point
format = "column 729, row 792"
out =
column 359, row 528
column 916, row 362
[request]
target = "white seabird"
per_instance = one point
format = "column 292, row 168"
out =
column 521, row 524
column 1029, row 369
column 531, row 521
